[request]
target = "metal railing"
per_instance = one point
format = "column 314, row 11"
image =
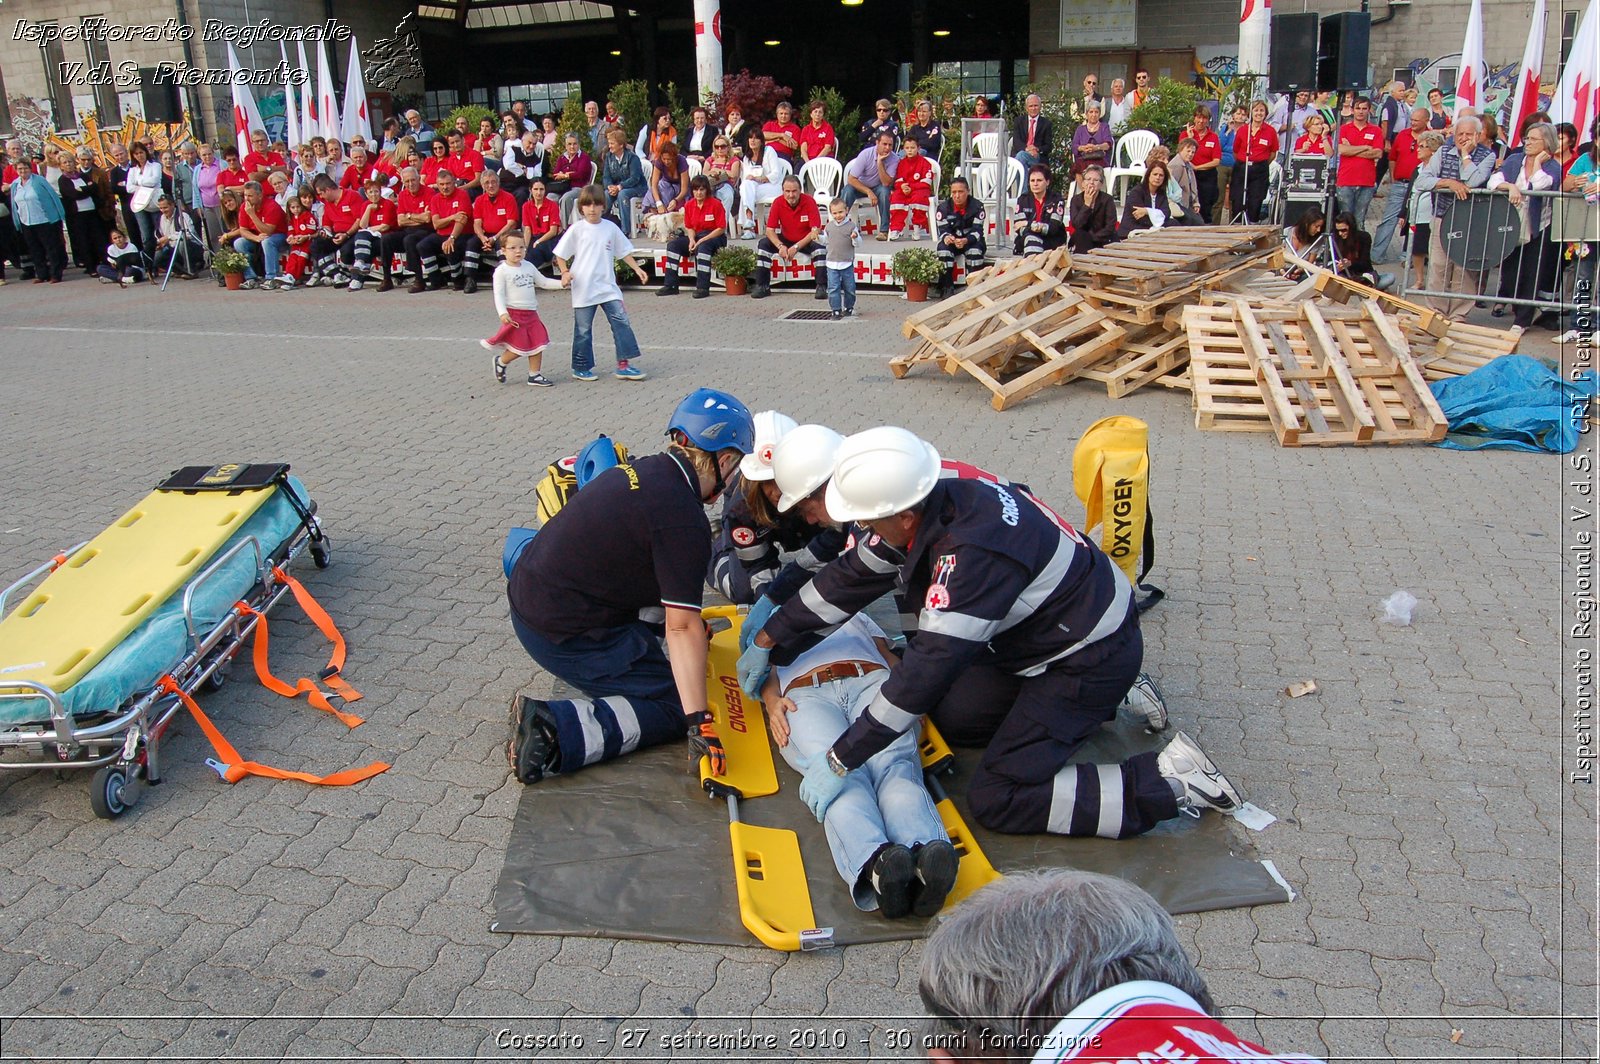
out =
column 1502, row 254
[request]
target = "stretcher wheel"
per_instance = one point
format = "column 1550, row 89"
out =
column 106, row 789
column 319, row 556
column 214, row 682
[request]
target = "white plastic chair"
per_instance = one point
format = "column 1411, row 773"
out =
column 821, row 179
column 694, row 167
column 1132, row 147
column 986, row 145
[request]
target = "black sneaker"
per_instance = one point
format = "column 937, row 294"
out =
column 893, row 872
column 531, row 748
column 499, row 369
column 539, row 380
column 838, row 314
column 937, row 863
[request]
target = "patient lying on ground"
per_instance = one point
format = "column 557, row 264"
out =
column 887, row 840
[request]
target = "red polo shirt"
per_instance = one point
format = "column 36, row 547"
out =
column 458, row 202
column 466, row 166
column 341, row 217
column 782, row 149
column 227, row 178
column 354, row 177
column 271, row 214
column 262, row 161
column 1258, row 147
column 496, row 211
column 1208, row 147
column 1354, row 171
column 793, row 223
column 431, row 167
column 539, row 219
column 818, row 141
column 380, row 213
column 414, row 202
column 704, row 217
column 1403, row 155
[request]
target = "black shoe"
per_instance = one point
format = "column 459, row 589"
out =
column 471, row 286
column 838, row 314
column 761, row 291
column 937, row 863
column 822, row 292
column 702, row 293
column 434, row 286
column 531, row 749
column 461, row 284
column 893, row 871
column 668, row 289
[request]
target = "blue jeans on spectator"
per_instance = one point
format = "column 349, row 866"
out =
column 147, row 221
column 583, row 334
column 618, row 205
column 1028, row 159
column 842, row 289
column 272, row 250
column 852, row 194
column 633, row 700
column 1393, row 204
column 884, row 801
column 1356, row 200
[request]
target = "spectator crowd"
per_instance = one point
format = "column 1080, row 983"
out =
column 443, row 203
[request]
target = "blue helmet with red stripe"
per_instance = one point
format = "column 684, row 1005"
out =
column 714, row 421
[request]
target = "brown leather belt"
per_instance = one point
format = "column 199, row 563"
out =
column 839, row 670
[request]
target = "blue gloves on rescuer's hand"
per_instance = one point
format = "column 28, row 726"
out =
column 755, row 620
column 754, row 664
column 820, row 786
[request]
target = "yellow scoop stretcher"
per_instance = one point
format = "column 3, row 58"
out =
column 768, row 869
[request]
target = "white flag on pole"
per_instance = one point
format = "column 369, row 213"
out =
column 355, row 99
column 291, row 112
column 327, row 107
column 1577, row 97
column 246, row 115
column 308, row 100
column 1469, row 84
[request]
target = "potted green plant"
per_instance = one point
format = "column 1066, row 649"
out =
column 918, row 268
column 626, row 276
column 231, row 264
column 735, row 263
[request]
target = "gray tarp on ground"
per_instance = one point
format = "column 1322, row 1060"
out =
column 633, row 849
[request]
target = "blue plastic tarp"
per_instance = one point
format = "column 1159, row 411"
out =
column 1515, row 403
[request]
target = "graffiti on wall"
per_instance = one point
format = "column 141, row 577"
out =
column 1499, row 86
column 1214, row 72
column 32, row 124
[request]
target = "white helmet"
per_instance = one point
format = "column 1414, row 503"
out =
column 803, row 462
column 771, row 427
column 879, row 472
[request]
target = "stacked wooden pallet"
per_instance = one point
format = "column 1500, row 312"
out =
column 1309, row 376
column 1017, row 330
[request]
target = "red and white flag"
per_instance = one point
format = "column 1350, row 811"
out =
column 1527, row 98
column 1469, row 84
column 246, row 115
column 356, row 119
column 291, row 110
column 327, row 106
column 1577, row 97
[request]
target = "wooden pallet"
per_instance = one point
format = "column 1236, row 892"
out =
column 1342, row 290
column 1462, row 349
column 1058, row 261
column 1017, row 332
column 1317, row 380
column 1155, row 268
column 1146, row 356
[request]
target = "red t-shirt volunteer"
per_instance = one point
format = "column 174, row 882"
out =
column 466, row 166
column 772, row 128
column 818, row 141
column 705, row 217
column 343, row 216
column 1355, row 171
column 496, row 211
column 793, row 223
column 227, row 178
column 271, row 215
column 1257, row 147
column 1208, row 147
column 414, row 203
column 442, row 207
column 539, row 219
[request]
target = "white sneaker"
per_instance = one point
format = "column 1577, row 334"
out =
column 286, row 281
column 356, row 285
column 126, row 282
column 1568, row 337
column 894, row 234
column 1144, row 700
column 1203, row 783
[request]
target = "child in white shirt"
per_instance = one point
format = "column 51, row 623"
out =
column 124, row 263
column 522, row 334
column 587, row 254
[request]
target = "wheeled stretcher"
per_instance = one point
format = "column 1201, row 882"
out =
column 119, row 632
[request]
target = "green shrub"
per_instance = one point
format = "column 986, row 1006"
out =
column 227, row 260
column 1168, row 110
column 573, row 121
column 633, row 104
column 845, row 120
column 919, row 265
column 734, row 260
column 473, row 113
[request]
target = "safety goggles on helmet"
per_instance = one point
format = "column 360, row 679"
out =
column 803, row 462
column 770, row 427
column 880, row 472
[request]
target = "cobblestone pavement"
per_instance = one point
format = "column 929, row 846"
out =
column 1420, row 790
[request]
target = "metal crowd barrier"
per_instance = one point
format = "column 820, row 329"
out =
column 1502, row 259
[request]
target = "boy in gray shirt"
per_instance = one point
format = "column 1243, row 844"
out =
column 840, row 237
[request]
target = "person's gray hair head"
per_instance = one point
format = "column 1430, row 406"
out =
column 1469, row 123
column 252, row 186
column 1547, row 135
column 85, row 152
column 1423, row 111
column 1432, row 139
column 409, row 171
column 1010, row 961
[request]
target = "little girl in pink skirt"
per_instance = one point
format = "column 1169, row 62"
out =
column 522, row 334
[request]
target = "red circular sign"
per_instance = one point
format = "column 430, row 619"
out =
column 716, row 25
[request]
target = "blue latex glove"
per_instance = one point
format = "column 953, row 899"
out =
column 754, row 664
column 820, row 786
column 755, row 619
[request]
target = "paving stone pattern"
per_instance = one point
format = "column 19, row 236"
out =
column 1419, row 790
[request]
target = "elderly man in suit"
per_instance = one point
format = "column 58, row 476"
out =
column 1032, row 135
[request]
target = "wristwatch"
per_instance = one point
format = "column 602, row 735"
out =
column 836, row 765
